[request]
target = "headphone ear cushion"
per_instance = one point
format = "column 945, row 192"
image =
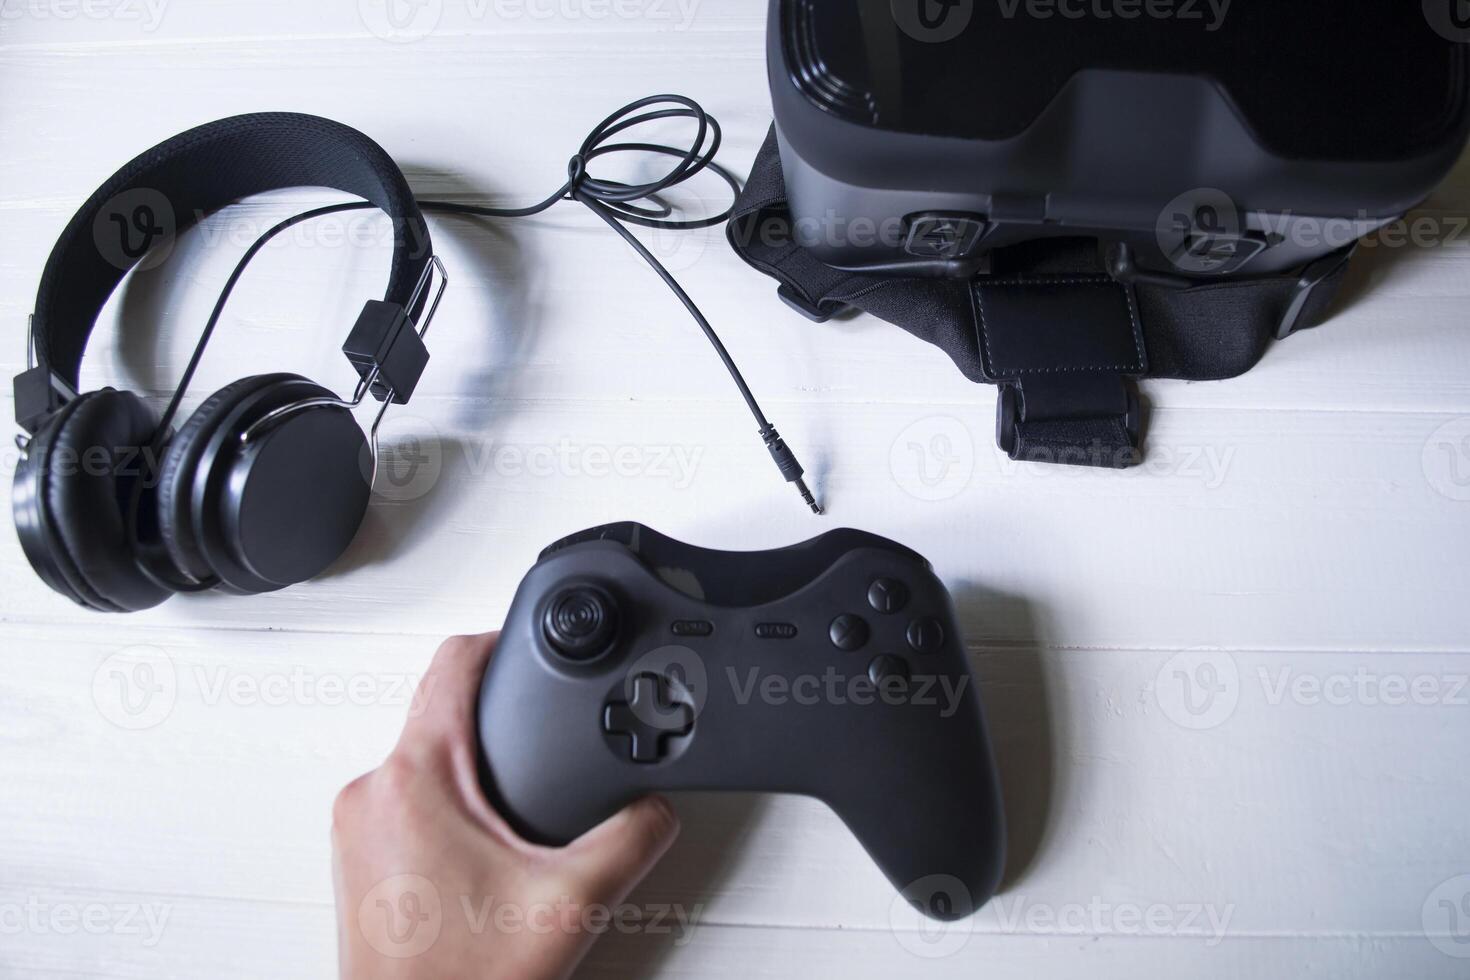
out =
column 85, row 468
column 181, row 461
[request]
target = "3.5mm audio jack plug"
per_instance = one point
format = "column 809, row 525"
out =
column 787, row 463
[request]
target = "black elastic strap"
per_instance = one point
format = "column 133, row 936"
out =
column 1065, row 347
column 1075, row 335
column 193, row 175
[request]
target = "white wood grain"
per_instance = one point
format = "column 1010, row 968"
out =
column 1297, row 539
column 1110, row 796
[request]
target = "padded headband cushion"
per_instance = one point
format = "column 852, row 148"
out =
column 197, row 173
column 83, row 499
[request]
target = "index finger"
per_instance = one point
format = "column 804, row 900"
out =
column 444, row 703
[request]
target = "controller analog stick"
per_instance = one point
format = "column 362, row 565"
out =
column 580, row 622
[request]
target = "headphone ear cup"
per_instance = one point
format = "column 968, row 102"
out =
column 182, row 463
column 72, row 497
column 273, row 511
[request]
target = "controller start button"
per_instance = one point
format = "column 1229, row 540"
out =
column 580, row 622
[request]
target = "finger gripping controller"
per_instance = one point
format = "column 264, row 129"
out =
column 631, row 663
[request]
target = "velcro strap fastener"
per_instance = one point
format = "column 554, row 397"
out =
column 1064, row 350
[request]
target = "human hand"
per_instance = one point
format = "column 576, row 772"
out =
column 432, row 883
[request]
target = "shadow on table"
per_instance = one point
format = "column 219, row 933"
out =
column 1381, row 254
column 1018, row 702
column 420, row 475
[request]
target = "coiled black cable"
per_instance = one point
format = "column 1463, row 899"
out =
column 616, row 203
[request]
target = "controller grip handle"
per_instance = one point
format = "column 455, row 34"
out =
column 941, row 846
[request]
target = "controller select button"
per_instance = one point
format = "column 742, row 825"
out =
column 776, row 631
column 888, row 595
column 693, row 627
column 926, row 635
column 849, row 632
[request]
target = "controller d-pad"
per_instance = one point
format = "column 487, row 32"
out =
column 653, row 713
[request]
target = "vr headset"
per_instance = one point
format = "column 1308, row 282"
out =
column 1067, row 195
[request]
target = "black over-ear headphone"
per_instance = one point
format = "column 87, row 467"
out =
column 265, row 485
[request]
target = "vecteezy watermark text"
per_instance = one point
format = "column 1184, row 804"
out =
column 144, row 921
column 1209, row 14
column 833, row 687
column 403, row 916
column 1201, row 690
column 147, row 14
column 403, row 21
column 138, row 688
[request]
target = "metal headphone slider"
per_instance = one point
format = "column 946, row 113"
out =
column 374, row 377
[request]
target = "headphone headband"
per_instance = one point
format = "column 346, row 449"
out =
column 193, row 175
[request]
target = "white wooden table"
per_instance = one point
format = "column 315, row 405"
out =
column 1228, row 690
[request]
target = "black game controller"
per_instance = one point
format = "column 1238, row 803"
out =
column 631, row 663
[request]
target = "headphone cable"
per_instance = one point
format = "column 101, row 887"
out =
column 618, row 205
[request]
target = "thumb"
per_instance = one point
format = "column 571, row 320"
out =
column 613, row 857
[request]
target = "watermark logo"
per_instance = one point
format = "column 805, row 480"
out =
column 1446, row 459
column 686, row 684
column 679, row 249
column 148, row 14
column 574, row 918
column 136, row 229
column 931, row 917
column 677, row 15
column 1200, row 231
column 410, row 458
column 144, row 922
column 933, row 459
column 1207, row 466
column 301, row 687
column 1446, row 917
column 1421, row 229
column 1198, row 690
column 1099, row 916
column 1364, row 688
column 401, row 917
column 1449, row 18
column 401, row 21
column 942, row 693
column 141, row 687
column 932, row 21
column 136, row 688
column 1210, row 14
column 676, row 465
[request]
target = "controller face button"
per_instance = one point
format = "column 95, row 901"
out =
column 580, row 622
column 776, row 631
column 693, row 627
column 887, row 595
column 926, row 635
column 888, row 670
column 649, row 718
column 849, row 632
